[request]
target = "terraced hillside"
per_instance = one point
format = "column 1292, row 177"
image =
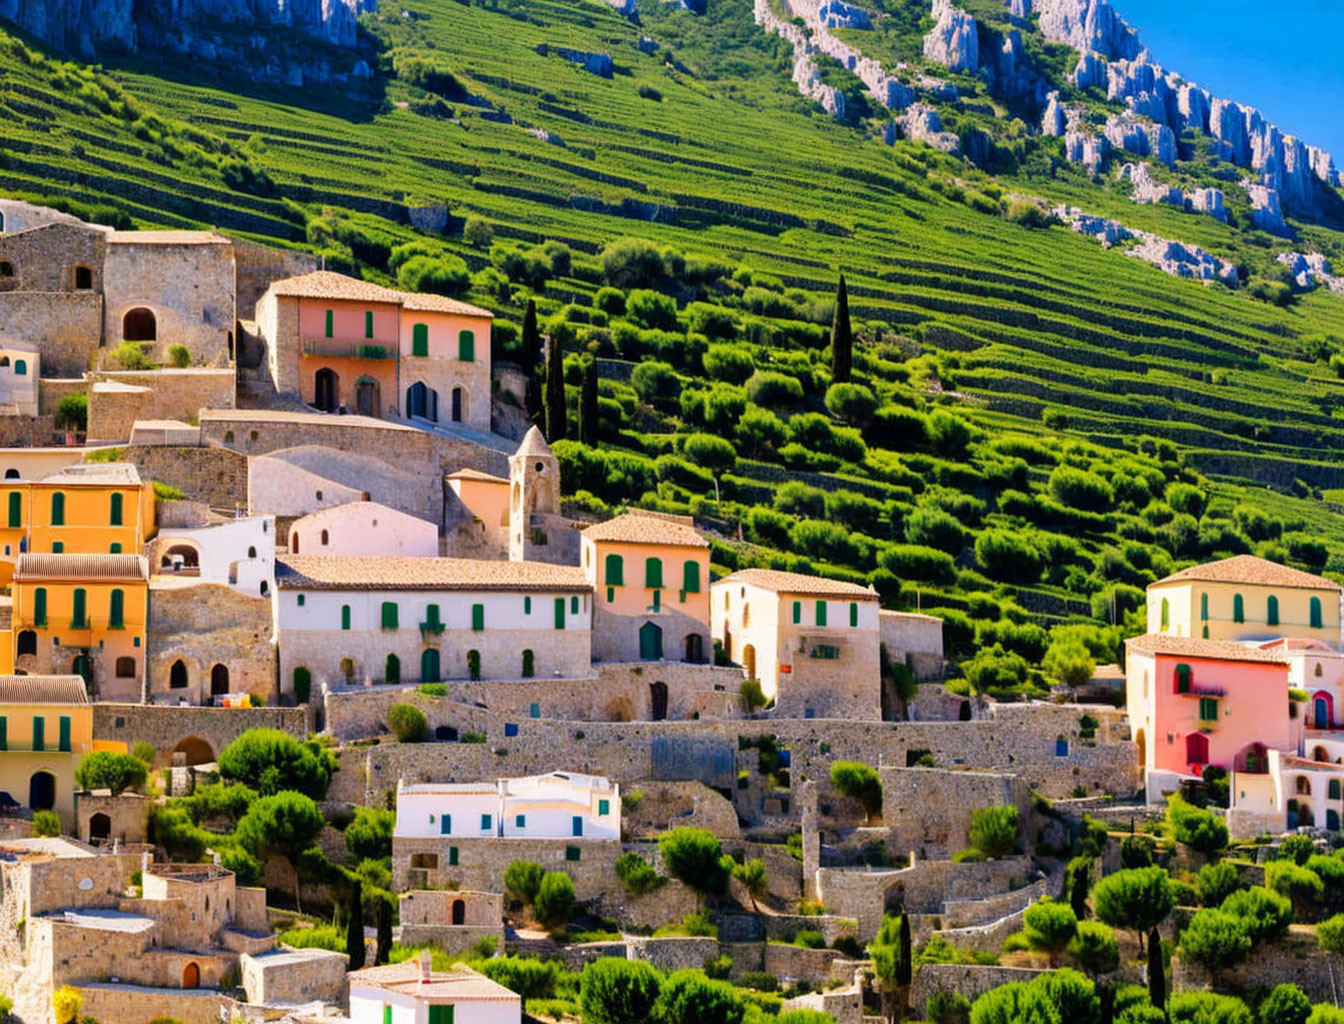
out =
column 1003, row 360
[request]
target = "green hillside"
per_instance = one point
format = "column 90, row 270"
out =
column 1050, row 420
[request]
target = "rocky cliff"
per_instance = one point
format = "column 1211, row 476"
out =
column 86, row 27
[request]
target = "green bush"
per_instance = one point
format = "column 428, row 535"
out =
column 1008, row 557
column 1264, row 914
column 774, row 390
column 809, row 939
column 728, row 363
column 994, row 830
column 105, row 769
column 72, row 412
column 46, row 823
column 553, row 905
column 179, row 356
column 131, row 356
column 408, row 723
column 859, row 782
column 637, row 875
column 619, row 991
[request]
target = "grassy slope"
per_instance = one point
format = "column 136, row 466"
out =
column 1023, row 320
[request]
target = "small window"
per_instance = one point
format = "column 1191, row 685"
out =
column 116, row 611
column 574, row 605
column 345, row 616
column 853, row 615
column 389, row 615
column 40, row 606
column 478, row 617
column 326, row 538
column 114, row 512
column 79, row 618
column 1204, row 607
column 603, row 807
column 466, row 346
column 571, row 853
column 420, row 340
column 368, row 324
column 452, row 856
column 1208, row 709
column 15, row 509
column 821, row 613
column 797, row 612
column 301, row 600
column 1061, row 747
column 6, row 268
column 83, row 279
column 534, row 710
column 1182, row 678
column 510, row 729
column 1166, row 613
column 58, row 509
column 115, row 548
column 445, row 824
column 331, row 323
column 615, row 574
column 690, row 577
column 1272, row 611
column 520, row 821
column 486, row 822
column 653, row 573
column 529, row 670
column 1316, row 618
column 125, row 668
column 576, row 825
column 1238, row 608
column 527, row 606
column 58, row 547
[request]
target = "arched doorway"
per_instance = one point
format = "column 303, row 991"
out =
column 430, row 671
column 459, row 405
column 219, row 680
column 650, row 642
column 191, row 975
column 100, row 828
column 695, row 648
column 42, row 791
column 749, row 660
column 422, row 401
column 1322, row 710
column 366, row 396
column 82, row 666
column 177, row 675
column 658, row 701
column 139, row 325
column 964, row 711
column 459, row 912
column 326, row 390
column 183, row 555
column 27, row 643
column 619, row 709
column 195, row 750
column 1141, row 741
column 1196, row 749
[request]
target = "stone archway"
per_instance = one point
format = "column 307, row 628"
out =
column 619, row 709
column 195, row 750
column 100, row 828
column 42, row 791
column 191, row 974
column 139, row 324
column 219, row 680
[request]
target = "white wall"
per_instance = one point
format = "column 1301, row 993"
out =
column 420, row 814
column 225, row 550
column 364, row 528
column 504, row 610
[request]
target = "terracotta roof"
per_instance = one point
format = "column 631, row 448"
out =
column 327, row 284
column 82, row 567
column 1193, row 647
column 797, row 583
column 441, row 304
column 475, row 474
column 443, row 986
column 341, row 572
column 42, row 690
column 1252, row 570
column 534, row 443
column 167, row 238
column 643, row 528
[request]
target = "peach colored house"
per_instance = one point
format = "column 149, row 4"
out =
column 1245, row 598
column 341, row 343
column 363, row 528
column 650, row 574
column 1194, row 703
column 486, row 499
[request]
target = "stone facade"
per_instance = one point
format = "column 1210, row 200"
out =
column 117, row 400
column 200, row 733
column 453, row 921
column 293, row 977
column 913, row 639
column 102, row 818
column 207, row 640
column 971, row 980
column 929, row 809
column 427, row 863
column 213, row 475
column 65, row 328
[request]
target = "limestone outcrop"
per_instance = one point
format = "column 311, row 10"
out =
column 805, row 73
column 1088, row 25
column 954, row 41
column 921, row 123
column 1087, row 149
column 1142, row 138
column 1310, row 270
column 1178, row 259
column 1266, row 210
column 1146, row 190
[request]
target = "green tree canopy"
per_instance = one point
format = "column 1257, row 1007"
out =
column 106, row 769
column 695, row 857
column 522, row 880
column 688, row 997
column 617, row 991
column 1050, row 927
column 859, row 782
column 283, row 825
column 1137, row 899
column 369, row 835
column 1215, row 941
column 1264, row 914
column 994, row 830
column 554, row 903
column 270, row 761
column 1094, row 948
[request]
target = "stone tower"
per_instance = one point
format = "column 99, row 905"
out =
column 534, row 490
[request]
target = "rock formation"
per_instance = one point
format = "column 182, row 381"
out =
column 1086, row 149
column 1088, row 25
column 1142, row 138
column 922, row 124
column 1146, row 190
column 838, row 14
column 1311, row 270
column 1266, row 211
column 954, row 41
column 1176, row 258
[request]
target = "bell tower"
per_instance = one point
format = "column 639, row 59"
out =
column 534, row 489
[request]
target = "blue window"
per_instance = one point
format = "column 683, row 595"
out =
column 446, row 825
column 578, row 825
column 510, row 728
column 1061, row 747
column 520, row 821
column 486, row 822
column 534, row 710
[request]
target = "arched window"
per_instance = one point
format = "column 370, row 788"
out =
column 27, row 643
column 653, row 572
column 1238, row 608
column 58, row 509
column 1166, row 613
column 392, row 670
column 429, row 665
column 345, row 616
column 690, row 576
column 1315, row 613
column 83, row 279
column 326, row 538
column 1271, row 611
column 529, row 664
column 116, row 609
column 114, row 511
column 615, row 571
column 139, row 325
column 1303, row 786
column 219, row 680
column 177, row 676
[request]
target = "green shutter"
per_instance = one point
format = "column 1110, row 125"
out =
column 1208, row 709
column 574, row 605
column 559, row 613
column 115, row 548
column 466, row 346
column 821, row 613
column 331, row 322
column 520, row 821
column 40, row 606
column 653, row 572
column 58, row 547
column 115, row 511
column 1272, row 611
column 4, row 733
column 39, row 733
column 80, row 618
column 486, row 822
column 853, row 615
column 478, row 617
column 368, row 323
column 527, row 606
column 440, row 1014
column 797, row 612
column 58, row 509
column 452, row 856
column 690, row 577
column 389, row 615
column 420, row 340
column 345, row 616
column 1238, row 609
column 387, row 1013
column 1204, row 607
column 1166, row 613
column 615, row 576
column 603, row 807
column 116, row 611
column 65, row 734
column 15, row 509
column 1316, row 613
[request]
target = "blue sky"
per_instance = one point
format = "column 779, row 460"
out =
column 1282, row 57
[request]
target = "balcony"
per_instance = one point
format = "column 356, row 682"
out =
column 349, row 348
column 428, row 629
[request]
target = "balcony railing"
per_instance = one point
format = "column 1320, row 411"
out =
column 349, row 348
column 431, row 629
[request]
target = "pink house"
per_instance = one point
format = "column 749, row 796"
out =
column 1194, row 703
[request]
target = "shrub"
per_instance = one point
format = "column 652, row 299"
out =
column 554, row 902
column 759, row 432
column 179, row 356
column 852, row 403
column 1215, row 940
column 809, row 939
column 713, row 453
column 694, row 856
column 1050, row 927
column 860, row 782
column 1137, row 899
column 1207, row 1008
column 935, row 528
column 1094, row 948
column 994, row 669
column 1303, row 887
column 994, row 830
column 772, row 389
column 72, row 412
column 728, row 363
column 478, row 233
column 655, row 382
column 637, row 875
column 131, row 356
column 66, row 1002
column 916, row 562
column 46, row 823
column 631, row 263
column 619, row 991
column 441, row 275
column 1008, row 557
column 689, row 996
column 652, row 310
column 1285, row 1004
column 1137, row 851
column 432, row 689
column 1216, row 882
column 945, row 1008
column 144, row 751
column 408, row 723
column 1069, row 662
column 1201, row 830
column 522, row 880
column 753, row 697
column 369, row 834
column 1264, row 914
column 105, row 769
column 268, row 761
column 1080, row 489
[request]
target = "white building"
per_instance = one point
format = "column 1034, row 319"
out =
column 238, row 553
column 558, row 805
column 364, row 529
column 19, row 367
column 412, row 993
column 342, row 620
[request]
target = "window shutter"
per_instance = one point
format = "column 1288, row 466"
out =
column 331, row 323
column 15, row 509
column 690, row 577
column 853, row 614
column 821, row 613
column 653, row 572
column 420, row 340
column 115, row 511
column 116, row 612
column 466, row 346
column 368, row 323
column 389, row 615
column 797, row 612
column 478, row 617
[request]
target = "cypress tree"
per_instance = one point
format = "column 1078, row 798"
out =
column 842, row 339
column 384, row 943
column 530, row 357
column 1157, row 979
column 354, row 929
column 555, row 385
column 588, row 416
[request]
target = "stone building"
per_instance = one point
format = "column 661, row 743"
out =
column 557, row 805
column 453, row 921
column 812, row 643
column 363, row 529
column 477, row 521
column 412, row 993
column 20, row 366
column 237, row 553
column 650, row 577
column 46, row 728
column 340, row 343
column 915, row 640
column 344, row 620
column 84, row 615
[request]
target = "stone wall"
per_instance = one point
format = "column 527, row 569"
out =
column 215, row 476
column 127, row 816
column 204, row 625
column 1293, row 959
column 256, row 266
column 929, row 809
column 44, row 260
column 168, row 727
column 971, row 980
column 129, row 1005
column 914, row 639
column 293, row 977
column 65, row 328
column 482, row 862
column 668, row 805
column 117, row 400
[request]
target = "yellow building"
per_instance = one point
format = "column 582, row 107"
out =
column 650, row 573
column 84, row 615
column 1245, row 598
column 46, row 728
column 99, row 508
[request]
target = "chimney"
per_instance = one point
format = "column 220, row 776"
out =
column 426, row 970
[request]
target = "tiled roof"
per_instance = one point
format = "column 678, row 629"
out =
column 327, row 284
column 82, row 567
column 443, row 986
column 166, row 238
column 643, row 528
column 1194, row 647
column 476, row 474
column 534, row 443
column 114, row 473
column 1251, row 570
column 441, row 304
column 797, row 583
column 42, row 690
column 341, row 572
